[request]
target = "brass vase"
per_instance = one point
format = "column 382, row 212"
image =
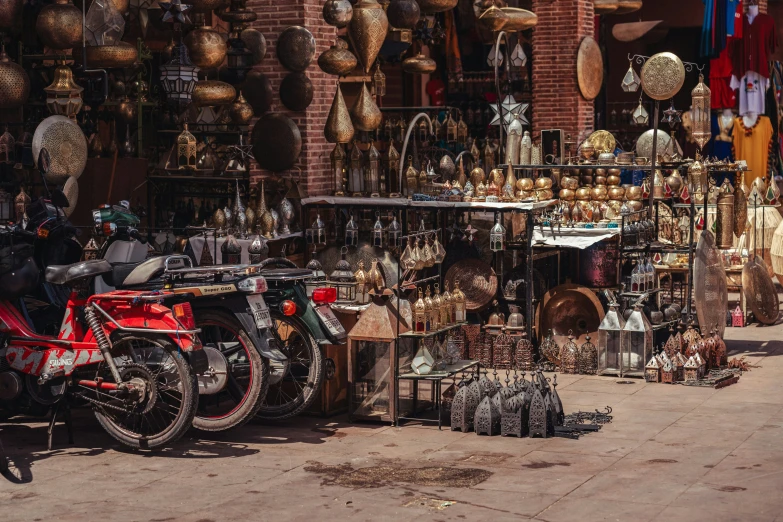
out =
column 126, row 110
column 14, row 83
column 206, row 47
column 240, row 111
column 337, row 60
column 265, row 222
column 59, row 25
column 338, row 128
column 365, row 114
column 367, row 30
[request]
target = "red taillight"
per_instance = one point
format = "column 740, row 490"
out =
column 109, row 228
column 324, row 295
column 183, row 313
column 288, row 307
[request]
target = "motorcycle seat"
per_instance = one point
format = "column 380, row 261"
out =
column 126, row 275
column 67, row 274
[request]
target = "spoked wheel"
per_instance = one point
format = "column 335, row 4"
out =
column 161, row 406
column 246, row 378
column 294, row 383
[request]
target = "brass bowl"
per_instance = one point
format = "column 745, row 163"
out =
column 569, row 182
column 583, row 193
column 436, row 6
column 641, row 160
column 598, row 194
column 418, row 64
column 518, row 19
column 633, row 193
column 606, row 158
column 616, row 193
column 525, row 184
column 613, row 180
column 211, row 93
column 116, row 56
column 337, row 60
column 59, row 25
column 586, row 179
column 600, row 171
column 544, row 183
column 206, row 47
column 493, row 19
column 566, row 194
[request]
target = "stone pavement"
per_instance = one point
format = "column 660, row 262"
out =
column 672, row 453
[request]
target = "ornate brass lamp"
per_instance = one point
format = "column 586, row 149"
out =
column 337, row 159
column 186, row 149
column 372, row 174
column 700, row 113
column 63, row 96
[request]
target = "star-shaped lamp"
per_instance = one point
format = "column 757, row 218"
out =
column 510, row 108
column 174, row 12
column 671, row 116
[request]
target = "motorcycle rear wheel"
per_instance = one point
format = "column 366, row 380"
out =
column 149, row 426
column 248, row 377
column 295, row 383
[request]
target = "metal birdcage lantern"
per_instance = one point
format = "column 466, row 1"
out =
column 392, row 170
column 363, row 284
column 667, row 372
column 691, row 369
column 737, row 318
column 497, row 236
column 636, row 343
column 420, row 319
column 640, row 116
column 700, row 113
column 379, row 81
column 394, row 233
column 588, row 358
column 652, row 371
column 7, row 148
column 569, row 355
column 372, row 174
column 343, row 280
column 356, row 171
column 503, row 352
column 379, row 234
column 523, row 354
column 451, row 128
column 678, row 367
column 463, row 408
column 318, row 279
column 458, row 298
column 631, row 80
column 539, row 421
column 186, row 149
column 316, row 234
column 610, row 341
column 178, row 77
column 351, row 232
column 337, row 160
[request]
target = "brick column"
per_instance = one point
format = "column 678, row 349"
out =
column 273, row 17
column 557, row 101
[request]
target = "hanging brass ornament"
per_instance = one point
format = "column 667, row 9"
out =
column 418, row 64
column 338, row 128
column 277, row 142
column 436, row 6
column 493, row 19
column 255, row 43
column 240, row 112
column 14, row 83
column 662, row 76
column 337, row 12
column 403, row 14
column 211, row 93
column 295, row 48
column 631, row 80
column 11, row 15
column 365, row 114
column 59, row 25
column 117, row 55
column 724, row 222
column 700, row 113
column 640, row 116
column 206, row 47
column 337, row 60
column 367, row 30
column 296, row 91
column 63, row 96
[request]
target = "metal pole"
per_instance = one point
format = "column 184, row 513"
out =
column 529, row 287
column 654, row 155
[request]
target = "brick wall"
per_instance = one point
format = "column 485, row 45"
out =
column 273, row 17
column 557, row 101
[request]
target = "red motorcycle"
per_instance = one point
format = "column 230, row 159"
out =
column 122, row 352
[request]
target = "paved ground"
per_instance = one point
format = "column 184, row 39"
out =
column 672, row 453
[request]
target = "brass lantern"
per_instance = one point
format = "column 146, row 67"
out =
column 458, row 298
column 394, row 233
column 351, row 233
column 420, row 314
column 343, row 280
column 393, row 159
column 178, row 77
column 356, row 172
column 372, row 174
column 186, row 149
column 337, row 159
column 700, row 113
column 363, row 285
column 379, row 81
column 497, row 236
column 63, row 96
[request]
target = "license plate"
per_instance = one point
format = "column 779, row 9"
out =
column 329, row 320
column 260, row 311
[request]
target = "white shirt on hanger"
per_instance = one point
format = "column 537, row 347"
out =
column 752, row 90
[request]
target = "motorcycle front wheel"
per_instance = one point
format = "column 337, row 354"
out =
column 295, row 382
column 165, row 411
column 247, row 374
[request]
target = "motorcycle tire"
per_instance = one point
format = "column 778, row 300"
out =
column 217, row 326
column 179, row 379
column 293, row 386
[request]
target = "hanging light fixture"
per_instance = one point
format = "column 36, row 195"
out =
column 372, row 174
column 518, row 57
column 379, row 81
column 178, row 77
column 351, row 233
column 378, row 232
column 631, row 80
column 497, row 236
column 63, row 96
column 700, row 113
column 337, row 160
column 394, row 233
column 491, row 57
column 671, row 116
column 640, row 116
column 316, row 234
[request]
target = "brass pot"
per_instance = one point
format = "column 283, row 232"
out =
column 635, row 206
column 569, row 182
column 277, row 142
column 365, row 114
column 617, row 193
column 518, row 19
column 418, row 64
column 615, row 205
column 600, row 171
column 368, row 29
column 436, row 6
column 606, row 158
column 403, row 14
column 525, row 184
column 633, row 193
column 674, row 180
column 240, row 112
column 544, row 183
column 126, row 110
column 11, row 15
column 59, row 25
column 583, row 193
column 599, row 180
column 614, row 172
column 295, row 48
column 116, row 56
column 496, row 176
column 493, row 19
column 613, row 180
column 544, row 194
column 14, row 83
column 338, row 128
column 337, row 60
column 566, row 194
column 586, row 179
column 337, row 12
column 477, row 176
column 296, row 91
column 587, row 151
column 206, row 47
column 598, row 193
column 211, row 93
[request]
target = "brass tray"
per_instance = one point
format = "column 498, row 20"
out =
column 709, row 285
column 567, row 308
column 760, row 292
column 589, row 68
column 477, row 280
column 603, row 141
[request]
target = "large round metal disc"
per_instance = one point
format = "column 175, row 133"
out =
column 569, row 308
column 67, row 147
column 603, row 141
column 296, row 48
column 477, row 280
column 662, row 76
column 589, row 68
column 296, row 91
column 709, row 285
column 277, row 142
column 645, row 141
column 71, row 191
column 257, row 90
column 760, row 292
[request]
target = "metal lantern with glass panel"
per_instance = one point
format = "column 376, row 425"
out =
column 316, row 234
column 497, row 236
column 373, row 351
column 178, row 77
column 637, row 343
column 337, row 159
column 63, row 96
column 351, row 233
column 394, row 233
column 378, row 232
column 356, row 171
column 379, row 81
column 700, row 113
column 343, row 280
column 458, row 298
column 640, row 116
column 6, row 206
column 372, row 174
column 610, row 333
column 393, row 167
column 318, row 279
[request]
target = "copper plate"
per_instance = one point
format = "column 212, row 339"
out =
column 277, row 142
column 296, row 91
column 477, row 280
column 589, row 68
column 567, row 308
column 603, row 141
column 662, row 76
column 709, row 285
column 295, row 48
column 760, row 292
column 644, row 143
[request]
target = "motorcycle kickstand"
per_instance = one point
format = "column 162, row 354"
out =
column 66, row 419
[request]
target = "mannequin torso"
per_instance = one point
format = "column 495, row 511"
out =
column 750, row 119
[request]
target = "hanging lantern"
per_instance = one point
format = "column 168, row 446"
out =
column 356, row 172
column 393, row 162
column 337, row 160
column 420, row 314
column 640, row 116
column 351, row 233
column 343, row 280
column 378, row 232
column 497, row 236
column 458, row 298
column 178, row 77
column 610, row 341
column 631, row 80
column 700, row 113
column 63, row 96
column 491, row 57
column 394, row 233
column 186, row 149
column 372, row 174
column 318, row 279
column 462, row 130
column 7, row 147
column 379, row 81
column 451, row 128
column 316, row 234
column 518, row 57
